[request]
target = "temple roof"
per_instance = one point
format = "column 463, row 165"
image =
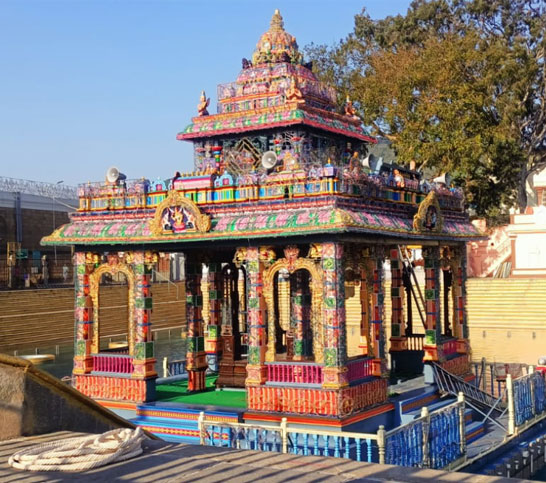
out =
column 278, row 220
column 274, row 90
column 276, row 45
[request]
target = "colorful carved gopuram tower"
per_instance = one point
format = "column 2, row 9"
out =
column 282, row 221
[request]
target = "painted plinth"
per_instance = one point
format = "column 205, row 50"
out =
column 317, row 402
column 115, row 388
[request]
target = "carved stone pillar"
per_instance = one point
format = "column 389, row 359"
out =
column 257, row 340
column 83, row 315
column 143, row 356
column 460, row 327
column 431, row 256
column 212, row 300
column 335, row 340
column 378, row 300
column 196, row 361
column 398, row 339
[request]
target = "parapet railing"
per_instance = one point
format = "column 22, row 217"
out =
column 435, row 440
column 174, row 367
column 526, row 400
column 282, row 439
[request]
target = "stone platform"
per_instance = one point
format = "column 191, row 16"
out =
column 162, row 462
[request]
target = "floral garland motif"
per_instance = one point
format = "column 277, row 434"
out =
column 174, row 201
column 429, row 217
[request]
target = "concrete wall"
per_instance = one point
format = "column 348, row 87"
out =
column 33, row 402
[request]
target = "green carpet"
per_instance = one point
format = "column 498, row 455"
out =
column 178, row 392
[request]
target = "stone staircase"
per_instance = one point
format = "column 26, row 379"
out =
column 33, row 318
column 410, row 408
column 507, row 319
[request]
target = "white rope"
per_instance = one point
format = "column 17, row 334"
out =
column 80, row 454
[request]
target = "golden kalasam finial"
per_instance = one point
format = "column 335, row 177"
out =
column 277, row 22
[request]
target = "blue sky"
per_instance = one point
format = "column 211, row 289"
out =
column 85, row 85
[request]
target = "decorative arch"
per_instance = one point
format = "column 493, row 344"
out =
column 176, row 200
column 316, row 303
column 94, row 284
column 429, row 216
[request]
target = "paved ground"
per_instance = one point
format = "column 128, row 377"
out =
column 167, row 462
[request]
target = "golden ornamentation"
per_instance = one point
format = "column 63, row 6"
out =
column 200, row 221
column 315, row 251
column 240, row 256
column 316, row 303
column 291, row 254
column 429, row 217
column 267, row 255
column 94, row 284
column 342, row 217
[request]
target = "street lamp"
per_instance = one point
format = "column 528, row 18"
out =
column 53, row 211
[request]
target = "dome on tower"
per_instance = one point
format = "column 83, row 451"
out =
column 276, row 45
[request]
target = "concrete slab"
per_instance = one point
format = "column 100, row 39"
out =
column 169, row 462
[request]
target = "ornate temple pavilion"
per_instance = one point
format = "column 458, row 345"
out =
column 281, row 221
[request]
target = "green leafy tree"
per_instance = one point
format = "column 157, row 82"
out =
column 456, row 85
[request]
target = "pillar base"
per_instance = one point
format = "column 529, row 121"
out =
column 144, row 369
column 256, row 375
column 398, row 344
column 196, row 380
column 377, row 367
column 462, row 346
column 83, row 364
column 335, row 377
column 431, row 353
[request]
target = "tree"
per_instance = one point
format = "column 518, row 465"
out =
column 456, row 85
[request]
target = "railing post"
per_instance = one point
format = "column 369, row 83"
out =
column 284, row 435
column 462, row 425
column 201, row 426
column 532, row 387
column 426, row 424
column 511, row 408
column 381, row 443
column 165, row 367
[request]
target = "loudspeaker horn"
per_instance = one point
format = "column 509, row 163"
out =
column 269, row 159
column 444, row 179
column 113, row 174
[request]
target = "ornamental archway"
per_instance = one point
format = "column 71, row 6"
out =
column 292, row 266
column 94, row 287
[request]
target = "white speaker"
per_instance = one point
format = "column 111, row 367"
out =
column 372, row 162
column 269, row 159
column 113, row 174
column 444, row 179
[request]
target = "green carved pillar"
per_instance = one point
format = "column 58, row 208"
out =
column 333, row 316
column 196, row 360
column 83, row 314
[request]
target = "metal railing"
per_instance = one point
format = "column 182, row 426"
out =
column 174, row 368
column 483, row 402
column 115, row 363
column 434, row 440
column 39, row 188
column 294, row 372
column 282, row 439
column 359, row 368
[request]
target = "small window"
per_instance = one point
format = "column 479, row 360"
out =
column 543, row 197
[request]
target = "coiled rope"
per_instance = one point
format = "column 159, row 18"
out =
column 82, row 453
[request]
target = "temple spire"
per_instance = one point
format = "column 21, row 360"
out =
column 277, row 22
